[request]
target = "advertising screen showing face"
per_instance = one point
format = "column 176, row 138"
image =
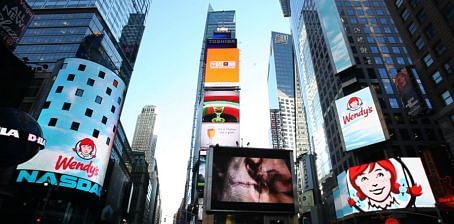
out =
column 360, row 120
column 260, row 180
column 383, row 185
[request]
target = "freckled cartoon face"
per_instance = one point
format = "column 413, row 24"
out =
column 376, row 184
column 86, row 149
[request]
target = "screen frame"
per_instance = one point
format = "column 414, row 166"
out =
column 213, row 206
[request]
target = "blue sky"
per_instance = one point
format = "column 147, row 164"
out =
column 166, row 71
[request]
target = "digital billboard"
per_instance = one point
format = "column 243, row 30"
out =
column 221, row 106
column 223, row 134
column 360, row 120
column 201, row 172
column 410, row 96
column 80, row 120
column 250, row 180
column 395, row 183
column 222, row 67
column 14, row 16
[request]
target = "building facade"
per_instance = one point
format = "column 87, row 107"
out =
column 143, row 134
column 344, row 46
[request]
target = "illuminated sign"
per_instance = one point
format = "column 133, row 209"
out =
column 223, row 134
column 81, row 121
column 396, row 183
column 221, row 106
column 201, row 173
column 360, row 121
column 409, row 94
column 222, row 67
column 221, row 43
column 14, row 16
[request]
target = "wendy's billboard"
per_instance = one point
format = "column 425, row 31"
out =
column 360, row 120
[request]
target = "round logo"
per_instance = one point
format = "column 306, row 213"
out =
column 85, row 149
column 354, row 103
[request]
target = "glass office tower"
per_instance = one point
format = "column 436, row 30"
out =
column 344, row 46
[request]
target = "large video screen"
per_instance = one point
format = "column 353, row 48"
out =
column 245, row 180
column 360, row 120
column 395, row 183
column 221, row 107
column 222, row 67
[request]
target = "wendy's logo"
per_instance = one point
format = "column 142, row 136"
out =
column 354, row 103
column 85, row 149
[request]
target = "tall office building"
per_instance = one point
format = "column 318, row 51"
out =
column 342, row 47
column 215, row 20
column 143, row 134
column 288, row 123
column 427, row 28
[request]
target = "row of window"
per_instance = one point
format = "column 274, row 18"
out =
column 75, row 127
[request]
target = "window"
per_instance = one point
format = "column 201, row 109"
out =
column 378, row 60
column 108, row 91
column 71, row 77
column 392, row 39
column 119, row 100
column 448, row 11
column 382, row 72
column 101, row 74
column 383, row 21
column 95, row 133
column 115, row 83
column 412, row 28
column 419, row 43
column 104, row 120
column 440, row 48
column 112, row 109
column 437, row 77
column 430, row 31
column 108, row 141
column 81, row 67
column 75, row 126
column 59, row 89
column 384, row 49
column 46, row 105
column 388, row 87
column 400, row 60
column 66, row 106
column 449, row 67
column 52, row 122
column 90, row 82
column 79, row 92
column 389, row 60
column 88, row 112
column 398, row 3
column 405, row 14
column 374, row 49
column 422, row 16
column 98, row 99
column 428, row 60
column 396, row 50
column 387, row 29
column 447, row 98
column 393, row 103
column 414, row 3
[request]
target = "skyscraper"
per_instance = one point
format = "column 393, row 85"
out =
column 288, row 123
column 342, row 47
column 143, row 134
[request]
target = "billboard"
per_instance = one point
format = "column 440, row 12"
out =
column 222, row 67
column 306, row 164
column 250, row 180
column 14, row 16
column 360, row 120
column 223, row 134
column 80, row 121
column 221, row 43
column 410, row 96
column 221, row 106
column 395, row 183
column 201, row 172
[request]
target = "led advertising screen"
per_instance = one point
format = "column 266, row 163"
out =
column 221, row 106
column 222, row 67
column 201, row 172
column 226, row 134
column 409, row 94
column 246, row 179
column 80, row 120
column 360, row 120
column 14, row 16
column 395, row 183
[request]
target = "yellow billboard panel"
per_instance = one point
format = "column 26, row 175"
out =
column 222, row 67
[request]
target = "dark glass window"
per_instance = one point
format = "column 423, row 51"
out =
column 88, row 112
column 115, row 83
column 75, row 126
column 112, row 109
column 59, row 89
column 414, row 3
column 440, row 48
column 448, row 11
column 46, row 105
column 449, row 67
column 422, row 16
column 119, row 100
column 412, row 28
column 428, row 60
column 419, row 43
column 104, row 119
column 90, row 82
column 108, row 91
column 79, row 92
column 108, row 141
column 436, row 76
column 52, row 122
column 101, row 74
column 95, row 133
column 70, row 77
column 447, row 98
column 98, row 99
column 81, row 67
column 430, row 31
column 66, row 106
column 398, row 3
column 405, row 14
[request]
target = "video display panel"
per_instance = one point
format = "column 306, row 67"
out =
column 395, row 183
column 227, row 134
column 360, row 120
column 222, row 67
column 245, row 179
column 221, row 107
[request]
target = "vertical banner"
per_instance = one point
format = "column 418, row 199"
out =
column 410, row 96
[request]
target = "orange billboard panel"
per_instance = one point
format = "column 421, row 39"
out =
column 222, row 67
